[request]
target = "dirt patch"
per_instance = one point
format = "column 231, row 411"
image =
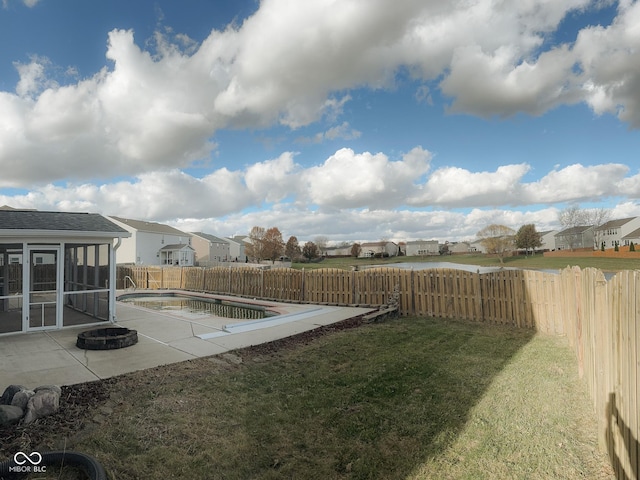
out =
column 84, row 406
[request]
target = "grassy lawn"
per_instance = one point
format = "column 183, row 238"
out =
column 534, row 262
column 412, row 398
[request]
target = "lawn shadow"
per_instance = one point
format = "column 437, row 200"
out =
column 375, row 402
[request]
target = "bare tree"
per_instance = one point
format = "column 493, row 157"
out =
column 597, row 217
column 254, row 249
column 573, row 216
column 356, row 248
column 321, row 242
column 497, row 239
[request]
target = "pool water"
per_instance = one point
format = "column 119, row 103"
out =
column 197, row 306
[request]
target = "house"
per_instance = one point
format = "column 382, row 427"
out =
column 548, row 240
column 210, row 250
column 57, row 269
column 237, row 246
column 632, row 237
column 153, row 243
column 422, row 247
column 460, row 247
column 574, row 237
column 383, row 248
column 615, row 231
column 477, row 246
column 338, row 251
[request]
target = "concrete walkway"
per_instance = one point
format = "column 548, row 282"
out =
column 51, row 357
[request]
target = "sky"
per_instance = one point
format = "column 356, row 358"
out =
column 354, row 120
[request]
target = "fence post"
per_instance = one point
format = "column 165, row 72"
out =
column 302, row 285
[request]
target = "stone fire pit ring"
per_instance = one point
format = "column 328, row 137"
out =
column 107, row 338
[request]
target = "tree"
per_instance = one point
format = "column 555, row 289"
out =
column 497, row 240
column 272, row 244
column 292, row 248
column 597, row 217
column 528, row 238
column 356, row 249
column 632, row 247
column 321, row 242
column 573, row 216
column 310, row 250
column 254, row 249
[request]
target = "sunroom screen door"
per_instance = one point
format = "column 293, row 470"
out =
column 44, row 288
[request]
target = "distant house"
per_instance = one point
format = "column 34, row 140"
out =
column 422, row 248
column 615, row 231
column 372, row 249
column 477, row 247
column 460, row 247
column 210, row 250
column 548, row 239
column 632, row 237
column 237, row 246
column 574, row 237
column 154, row 244
column 338, row 251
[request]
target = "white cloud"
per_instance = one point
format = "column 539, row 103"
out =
column 294, row 63
column 453, row 186
column 349, row 180
column 577, row 183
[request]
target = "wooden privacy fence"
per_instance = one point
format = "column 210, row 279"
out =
column 600, row 319
column 512, row 297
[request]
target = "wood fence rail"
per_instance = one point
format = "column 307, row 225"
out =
column 600, row 319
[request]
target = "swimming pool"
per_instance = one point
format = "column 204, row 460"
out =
column 191, row 306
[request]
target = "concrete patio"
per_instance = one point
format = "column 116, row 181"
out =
column 51, row 357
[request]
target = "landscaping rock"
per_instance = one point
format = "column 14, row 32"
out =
column 21, row 398
column 53, row 388
column 43, row 403
column 9, row 392
column 10, row 414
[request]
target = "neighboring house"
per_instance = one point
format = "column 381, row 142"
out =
column 615, row 231
column 477, row 247
column 633, row 237
column 460, row 247
column 340, row 251
column 154, row 244
column 56, row 269
column 210, row 250
column 178, row 254
column 574, row 237
column 548, row 239
column 422, row 247
column 237, row 248
column 371, row 249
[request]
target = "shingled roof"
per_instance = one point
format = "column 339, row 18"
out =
column 151, row 227
column 33, row 220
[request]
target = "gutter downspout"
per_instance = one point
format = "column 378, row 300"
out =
column 112, row 276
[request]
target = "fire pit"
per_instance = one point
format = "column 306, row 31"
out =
column 108, row 338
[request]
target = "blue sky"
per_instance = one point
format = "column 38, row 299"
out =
column 346, row 119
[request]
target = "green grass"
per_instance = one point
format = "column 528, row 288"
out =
column 534, row 262
column 412, row 398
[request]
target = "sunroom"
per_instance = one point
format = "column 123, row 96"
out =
column 57, row 269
